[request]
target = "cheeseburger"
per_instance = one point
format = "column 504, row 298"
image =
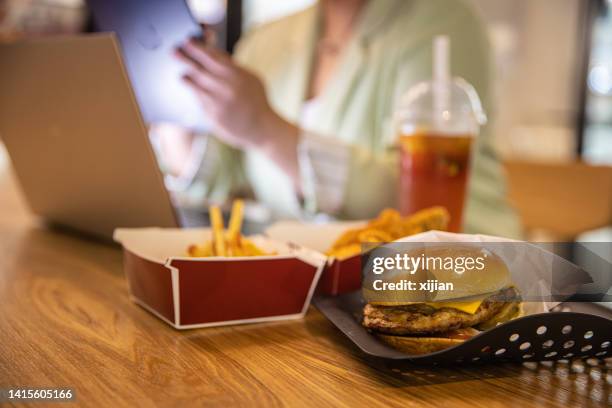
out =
column 419, row 323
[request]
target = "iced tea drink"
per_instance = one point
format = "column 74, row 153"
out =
column 434, row 171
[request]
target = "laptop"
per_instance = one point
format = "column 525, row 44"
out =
column 76, row 138
column 148, row 31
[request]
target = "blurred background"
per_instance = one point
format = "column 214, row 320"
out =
column 553, row 61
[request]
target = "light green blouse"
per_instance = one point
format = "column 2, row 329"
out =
column 390, row 51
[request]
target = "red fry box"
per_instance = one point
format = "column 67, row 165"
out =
column 189, row 292
column 339, row 275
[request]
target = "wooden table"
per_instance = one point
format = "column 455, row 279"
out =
column 66, row 321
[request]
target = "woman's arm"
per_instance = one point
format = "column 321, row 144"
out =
column 334, row 177
column 331, row 175
column 235, row 101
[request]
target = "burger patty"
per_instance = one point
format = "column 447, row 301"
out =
column 423, row 319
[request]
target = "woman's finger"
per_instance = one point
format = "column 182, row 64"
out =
column 213, row 85
column 206, row 98
column 212, row 60
column 203, row 77
column 196, row 86
column 181, row 55
column 218, row 54
column 210, row 36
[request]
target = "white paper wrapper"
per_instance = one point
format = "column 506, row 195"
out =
column 536, row 272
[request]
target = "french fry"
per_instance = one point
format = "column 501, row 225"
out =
column 235, row 250
column 216, row 222
column 346, row 251
column 387, row 227
column 434, row 218
column 250, row 249
column 235, row 222
column 226, row 242
column 201, row 251
column 375, row 235
column 386, row 218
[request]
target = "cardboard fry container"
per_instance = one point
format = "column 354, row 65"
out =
column 188, row 292
column 339, row 275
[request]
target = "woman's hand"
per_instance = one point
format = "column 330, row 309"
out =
column 233, row 98
column 235, row 101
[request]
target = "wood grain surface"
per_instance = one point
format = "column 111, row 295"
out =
column 66, row 321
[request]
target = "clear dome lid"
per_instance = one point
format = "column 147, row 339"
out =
column 445, row 107
column 444, row 104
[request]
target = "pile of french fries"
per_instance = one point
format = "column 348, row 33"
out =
column 387, row 227
column 228, row 243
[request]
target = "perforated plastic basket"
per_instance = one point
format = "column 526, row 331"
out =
column 576, row 330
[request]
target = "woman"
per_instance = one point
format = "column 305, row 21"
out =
column 307, row 106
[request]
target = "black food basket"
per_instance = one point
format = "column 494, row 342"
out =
column 569, row 331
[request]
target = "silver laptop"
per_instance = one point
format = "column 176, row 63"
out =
column 75, row 136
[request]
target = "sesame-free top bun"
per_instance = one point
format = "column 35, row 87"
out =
column 466, row 282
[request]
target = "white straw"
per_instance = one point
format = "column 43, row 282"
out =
column 441, row 74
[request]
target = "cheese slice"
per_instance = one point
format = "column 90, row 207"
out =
column 467, row 307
